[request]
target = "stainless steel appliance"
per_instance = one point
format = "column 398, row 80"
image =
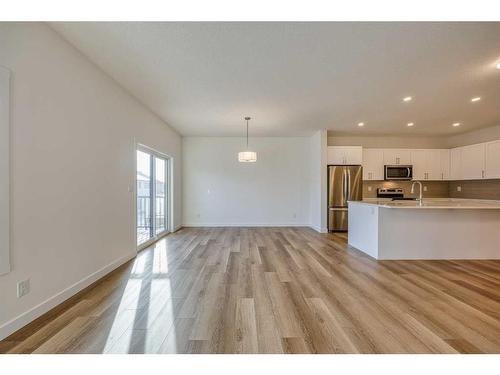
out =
column 345, row 183
column 390, row 193
column 396, row 194
column 398, row 172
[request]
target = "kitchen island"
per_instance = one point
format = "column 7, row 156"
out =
column 436, row 228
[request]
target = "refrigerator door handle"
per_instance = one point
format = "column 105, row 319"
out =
column 346, row 186
column 348, row 194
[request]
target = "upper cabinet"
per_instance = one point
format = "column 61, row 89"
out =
column 473, row 162
column 430, row 164
column 456, row 163
column 444, row 159
column 373, row 164
column 492, row 160
column 395, row 156
column 351, row 155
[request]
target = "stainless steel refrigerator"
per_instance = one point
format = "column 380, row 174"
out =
column 345, row 183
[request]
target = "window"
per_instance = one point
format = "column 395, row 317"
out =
column 153, row 192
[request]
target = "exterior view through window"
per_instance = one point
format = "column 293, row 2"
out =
column 152, row 196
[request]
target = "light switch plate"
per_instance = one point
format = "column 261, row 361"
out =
column 459, row 188
column 425, row 188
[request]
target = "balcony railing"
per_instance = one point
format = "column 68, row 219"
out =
column 144, row 230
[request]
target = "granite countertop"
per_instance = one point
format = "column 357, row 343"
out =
column 433, row 203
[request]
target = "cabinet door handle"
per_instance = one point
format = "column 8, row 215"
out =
column 482, row 174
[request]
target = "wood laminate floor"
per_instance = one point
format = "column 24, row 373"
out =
column 274, row 290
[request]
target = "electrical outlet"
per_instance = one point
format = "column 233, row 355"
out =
column 459, row 188
column 425, row 188
column 369, row 188
column 23, row 288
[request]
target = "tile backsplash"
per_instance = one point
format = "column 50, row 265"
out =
column 435, row 189
column 475, row 189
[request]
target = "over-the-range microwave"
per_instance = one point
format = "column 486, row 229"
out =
column 398, row 172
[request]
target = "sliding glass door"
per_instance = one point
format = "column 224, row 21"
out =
column 160, row 190
column 152, row 196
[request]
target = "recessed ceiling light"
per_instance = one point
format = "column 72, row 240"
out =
column 407, row 99
column 410, row 124
column 476, row 99
column 361, row 124
column 498, row 65
column 455, row 124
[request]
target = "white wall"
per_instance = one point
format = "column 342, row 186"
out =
column 72, row 150
column 491, row 133
column 388, row 141
column 318, row 170
column 218, row 190
column 4, row 170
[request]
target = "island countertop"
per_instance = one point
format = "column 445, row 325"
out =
column 438, row 228
column 433, row 203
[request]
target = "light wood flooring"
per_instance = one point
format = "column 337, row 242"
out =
column 274, row 290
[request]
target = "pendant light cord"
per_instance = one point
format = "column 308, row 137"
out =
column 247, row 134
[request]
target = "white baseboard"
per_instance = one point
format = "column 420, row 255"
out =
column 244, row 225
column 25, row 318
column 318, row 229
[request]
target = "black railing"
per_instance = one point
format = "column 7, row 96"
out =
column 144, row 213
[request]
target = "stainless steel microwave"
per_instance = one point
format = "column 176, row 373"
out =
column 398, row 172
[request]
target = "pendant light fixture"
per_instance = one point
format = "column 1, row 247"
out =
column 247, row 156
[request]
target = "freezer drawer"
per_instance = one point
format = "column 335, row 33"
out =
column 337, row 219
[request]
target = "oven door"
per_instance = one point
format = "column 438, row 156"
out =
column 398, row 172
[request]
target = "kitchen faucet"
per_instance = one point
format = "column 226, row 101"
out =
column 413, row 190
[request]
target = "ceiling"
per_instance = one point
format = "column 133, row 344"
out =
column 295, row 78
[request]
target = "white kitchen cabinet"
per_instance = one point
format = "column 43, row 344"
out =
column 444, row 158
column 373, row 164
column 456, row 163
column 352, row 155
column 473, row 162
column 426, row 164
column 419, row 162
column 492, row 159
column 395, row 156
